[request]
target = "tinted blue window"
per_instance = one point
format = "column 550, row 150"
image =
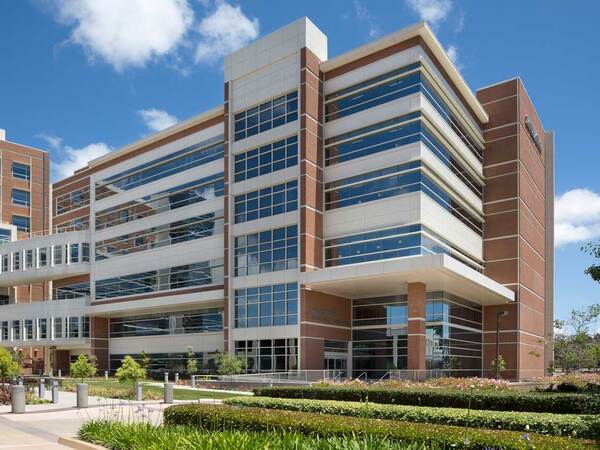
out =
column 159, row 168
column 266, row 306
column 198, row 274
column 397, row 85
column 22, row 223
column 271, row 114
column 393, row 181
column 390, row 243
column 266, row 159
column 266, row 202
column 396, row 133
column 267, row 251
column 20, row 197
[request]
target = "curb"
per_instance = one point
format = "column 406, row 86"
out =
column 78, row 444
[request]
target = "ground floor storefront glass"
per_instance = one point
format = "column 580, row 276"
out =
column 268, row 355
column 380, row 335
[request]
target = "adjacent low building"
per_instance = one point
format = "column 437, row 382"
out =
column 367, row 213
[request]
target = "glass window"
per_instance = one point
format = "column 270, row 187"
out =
column 28, row 329
column 21, row 171
column 175, row 162
column 72, row 200
column 85, row 252
column 73, row 327
column 198, row 274
column 266, row 306
column 267, row 251
column 28, row 259
column 5, row 263
column 189, row 229
column 74, row 253
column 58, row 254
column 271, row 114
column 85, row 327
column 268, row 355
column 43, row 256
column 266, row 202
column 196, row 191
column 5, row 330
column 20, row 197
column 43, row 328
column 58, row 328
column 393, row 181
column 266, row 159
column 392, row 134
column 16, row 261
column 22, row 223
column 16, row 330
column 5, row 235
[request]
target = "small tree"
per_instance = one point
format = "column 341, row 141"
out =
column 9, row 367
column 229, row 364
column 130, row 371
column 83, row 367
column 145, row 360
column 500, row 366
column 192, row 363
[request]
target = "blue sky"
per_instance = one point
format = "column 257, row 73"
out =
column 83, row 77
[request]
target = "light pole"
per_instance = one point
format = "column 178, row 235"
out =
column 499, row 315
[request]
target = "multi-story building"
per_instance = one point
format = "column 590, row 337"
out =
column 24, row 200
column 366, row 213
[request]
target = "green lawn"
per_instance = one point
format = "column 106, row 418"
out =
column 114, row 389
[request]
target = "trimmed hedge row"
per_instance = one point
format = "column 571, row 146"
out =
column 544, row 423
column 498, row 401
column 223, row 417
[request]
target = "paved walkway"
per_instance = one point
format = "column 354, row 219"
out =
column 41, row 425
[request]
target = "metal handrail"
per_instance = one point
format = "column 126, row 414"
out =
column 388, row 374
column 365, row 374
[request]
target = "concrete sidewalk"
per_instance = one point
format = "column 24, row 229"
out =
column 41, row 425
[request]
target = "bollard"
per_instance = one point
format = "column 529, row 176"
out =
column 166, row 377
column 82, row 395
column 55, row 391
column 42, row 388
column 176, row 377
column 59, row 373
column 138, row 392
column 18, row 399
column 193, row 381
column 169, row 393
column 106, row 374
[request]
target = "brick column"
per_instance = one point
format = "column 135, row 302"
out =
column 416, row 326
column 99, row 342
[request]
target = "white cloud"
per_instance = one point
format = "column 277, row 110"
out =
column 72, row 159
column 432, row 11
column 157, row 119
column 225, row 30
column 54, row 142
column 452, row 52
column 576, row 217
column 364, row 15
column 126, row 33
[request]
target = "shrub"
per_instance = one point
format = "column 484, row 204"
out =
column 9, row 367
column 83, row 367
column 498, row 401
column 130, row 371
column 220, row 417
column 544, row 423
column 229, row 364
column 142, row 436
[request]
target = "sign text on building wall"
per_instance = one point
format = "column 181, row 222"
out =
column 534, row 134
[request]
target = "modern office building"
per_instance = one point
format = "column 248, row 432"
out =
column 368, row 213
